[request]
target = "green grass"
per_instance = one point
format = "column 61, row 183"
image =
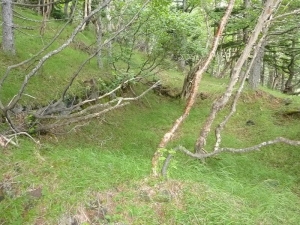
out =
column 112, row 157
column 104, row 166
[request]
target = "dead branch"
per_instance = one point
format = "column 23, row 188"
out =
column 59, row 123
column 295, row 12
column 75, row 110
column 106, row 42
column 9, row 68
column 8, row 139
column 231, row 150
column 166, row 165
column 83, row 115
column 4, row 141
column 17, row 97
column 263, row 144
column 238, row 150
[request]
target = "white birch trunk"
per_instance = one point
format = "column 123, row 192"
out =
column 8, row 43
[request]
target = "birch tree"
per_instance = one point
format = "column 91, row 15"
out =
column 200, row 151
column 8, row 43
column 198, row 76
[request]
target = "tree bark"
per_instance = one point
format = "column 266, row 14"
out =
column 256, row 70
column 98, row 24
column 8, row 42
column 66, row 9
column 288, row 87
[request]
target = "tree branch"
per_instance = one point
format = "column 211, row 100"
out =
column 238, row 150
column 83, row 115
column 107, row 41
column 295, row 12
column 49, row 55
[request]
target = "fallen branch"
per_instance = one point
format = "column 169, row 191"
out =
column 225, row 149
column 85, row 115
column 74, row 108
column 4, row 141
column 238, row 150
column 8, row 139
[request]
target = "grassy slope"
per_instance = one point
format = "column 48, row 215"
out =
column 104, row 166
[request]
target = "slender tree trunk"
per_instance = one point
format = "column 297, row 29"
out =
column 98, row 25
column 282, row 81
column 66, row 9
column 109, row 27
column 220, row 103
column 262, row 75
column 201, row 68
column 246, row 30
column 72, row 8
column 256, row 70
column 87, row 9
column 8, row 42
column 288, row 88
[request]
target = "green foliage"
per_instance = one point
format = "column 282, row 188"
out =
column 57, row 12
column 31, row 124
column 178, row 34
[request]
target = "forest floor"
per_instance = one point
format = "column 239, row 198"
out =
column 99, row 172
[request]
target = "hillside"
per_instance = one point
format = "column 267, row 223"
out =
column 97, row 172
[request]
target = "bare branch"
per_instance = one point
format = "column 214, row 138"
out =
column 238, row 150
column 106, row 42
column 295, row 12
column 263, row 144
column 9, row 68
column 4, row 141
column 59, row 123
column 70, row 115
column 165, row 166
column 62, row 120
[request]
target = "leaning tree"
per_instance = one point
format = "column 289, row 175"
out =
column 256, row 39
